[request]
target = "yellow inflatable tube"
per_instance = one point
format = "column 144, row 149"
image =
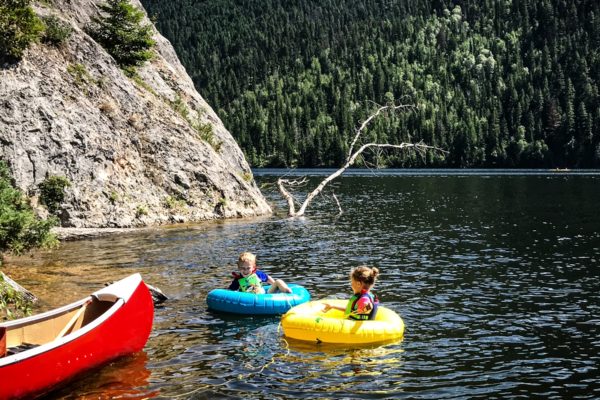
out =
column 308, row 322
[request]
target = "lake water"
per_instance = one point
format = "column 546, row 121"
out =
column 495, row 273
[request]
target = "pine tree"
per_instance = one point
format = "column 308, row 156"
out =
column 121, row 32
column 19, row 27
column 498, row 67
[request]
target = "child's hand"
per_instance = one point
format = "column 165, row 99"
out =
column 326, row 307
column 257, row 289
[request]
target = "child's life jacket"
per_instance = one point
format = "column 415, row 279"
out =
column 362, row 306
column 251, row 283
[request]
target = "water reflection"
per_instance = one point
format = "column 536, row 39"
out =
column 127, row 377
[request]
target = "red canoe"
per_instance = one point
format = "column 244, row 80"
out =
column 45, row 350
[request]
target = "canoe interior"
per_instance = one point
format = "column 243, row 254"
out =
column 46, row 329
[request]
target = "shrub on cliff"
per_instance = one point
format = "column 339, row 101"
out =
column 56, row 32
column 52, row 192
column 121, row 32
column 20, row 228
column 19, row 27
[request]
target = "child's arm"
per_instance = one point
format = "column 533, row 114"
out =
column 264, row 277
column 364, row 305
column 330, row 306
column 234, row 285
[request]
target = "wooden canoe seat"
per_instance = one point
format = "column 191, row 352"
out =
column 71, row 324
column 2, row 342
column 20, row 348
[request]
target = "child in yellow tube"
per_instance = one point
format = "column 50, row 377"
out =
column 250, row 279
column 362, row 305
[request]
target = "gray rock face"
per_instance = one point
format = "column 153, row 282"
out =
column 131, row 148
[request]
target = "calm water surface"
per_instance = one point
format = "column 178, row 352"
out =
column 496, row 277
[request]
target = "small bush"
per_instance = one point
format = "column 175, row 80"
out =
column 57, row 32
column 173, row 203
column 52, row 192
column 135, row 120
column 19, row 28
column 113, row 197
column 108, row 107
column 247, row 176
column 20, row 229
column 179, row 106
column 141, row 211
column 79, row 73
column 205, row 132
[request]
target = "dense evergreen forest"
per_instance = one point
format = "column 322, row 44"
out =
column 498, row 83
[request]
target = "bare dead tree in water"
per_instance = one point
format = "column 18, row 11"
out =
column 284, row 183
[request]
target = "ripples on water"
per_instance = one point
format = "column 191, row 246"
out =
column 496, row 278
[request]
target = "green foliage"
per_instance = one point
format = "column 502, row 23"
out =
column 113, row 197
column 498, row 83
column 179, row 106
column 141, row 210
column 56, row 32
column 131, row 73
column 80, row 74
column 174, row 203
column 20, row 229
column 203, row 129
column 19, row 28
column 12, row 303
column 121, row 32
column 247, row 176
column 52, row 192
column 205, row 132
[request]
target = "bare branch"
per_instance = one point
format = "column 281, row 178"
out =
column 338, row 204
column 24, row 293
column 366, row 122
column 352, row 156
column 296, row 182
column 286, row 195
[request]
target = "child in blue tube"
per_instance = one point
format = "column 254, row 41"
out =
column 250, row 279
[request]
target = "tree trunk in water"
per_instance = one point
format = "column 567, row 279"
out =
column 27, row 295
column 352, row 155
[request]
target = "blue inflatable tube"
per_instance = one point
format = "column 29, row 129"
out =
column 256, row 304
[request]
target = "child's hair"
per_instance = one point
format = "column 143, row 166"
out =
column 364, row 275
column 247, row 256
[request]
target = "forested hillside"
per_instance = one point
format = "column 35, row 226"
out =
column 498, row 83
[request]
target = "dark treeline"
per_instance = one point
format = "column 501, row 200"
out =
column 510, row 83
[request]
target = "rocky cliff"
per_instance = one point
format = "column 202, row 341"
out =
column 137, row 151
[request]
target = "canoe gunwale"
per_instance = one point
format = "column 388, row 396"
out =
column 57, row 312
column 43, row 348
